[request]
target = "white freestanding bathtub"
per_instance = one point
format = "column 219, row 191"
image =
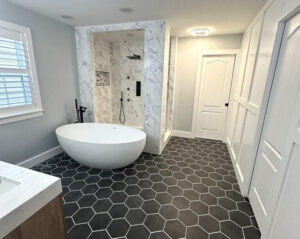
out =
column 99, row 145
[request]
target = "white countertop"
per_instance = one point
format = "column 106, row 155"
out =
column 31, row 192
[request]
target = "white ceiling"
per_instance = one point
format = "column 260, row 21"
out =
column 222, row 16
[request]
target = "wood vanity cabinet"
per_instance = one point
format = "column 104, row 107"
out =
column 47, row 223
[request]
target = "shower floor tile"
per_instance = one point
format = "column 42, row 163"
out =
column 189, row 191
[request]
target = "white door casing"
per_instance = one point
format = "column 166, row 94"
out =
column 280, row 137
column 213, row 91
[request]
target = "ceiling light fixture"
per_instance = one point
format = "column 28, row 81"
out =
column 200, row 32
column 126, row 9
column 67, row 17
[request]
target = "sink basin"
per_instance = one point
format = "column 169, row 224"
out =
column 6, row 185
column 22, row 193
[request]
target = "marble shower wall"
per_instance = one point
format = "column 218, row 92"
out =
column 102, row 94
column 164, row 136
column 111, row 57
column 124, row 74
column 156, row 60
column 171, row 83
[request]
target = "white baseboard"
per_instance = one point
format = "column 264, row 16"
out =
column 184, row 134
column 166, row 140
column 167, row 136
column 29, row 163
column 236, row 167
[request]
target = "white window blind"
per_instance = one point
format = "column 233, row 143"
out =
column 19, row 92
column 15, row 85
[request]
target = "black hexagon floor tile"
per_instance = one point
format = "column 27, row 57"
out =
column 118, row 228
column 70, row 209
column 150, row 206
column 168, row 212
column 139, row 231
column 136, row 216
column 188, row 218
column 175, row 229
column 196, row 232
column 181, row 202
column 83, row 215
column 209, row 224
column 189, row 191
column 118, row 211
column 219, row 213
column 99, row 234
column 231, row 230
column 102, row 205
column 87, row 201
column 134, row 201
column 100, row 221
column 159, row 235
column 79, row 231
column 154, row 222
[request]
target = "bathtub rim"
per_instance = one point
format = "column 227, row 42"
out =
column 104, row 143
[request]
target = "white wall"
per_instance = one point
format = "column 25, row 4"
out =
column 54, row 49
column 187, row 62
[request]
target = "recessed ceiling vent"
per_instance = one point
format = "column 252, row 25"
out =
column 67, row 17
column 126, row 9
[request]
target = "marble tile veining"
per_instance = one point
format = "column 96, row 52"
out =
column 111, row 57
column 171, row 83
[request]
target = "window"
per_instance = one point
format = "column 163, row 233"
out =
column 19, row 90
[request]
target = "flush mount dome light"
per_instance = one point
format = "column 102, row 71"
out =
column 200, row 32
column 126, row 9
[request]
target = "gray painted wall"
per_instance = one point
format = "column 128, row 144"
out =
column 186, row 72
column 55, row 54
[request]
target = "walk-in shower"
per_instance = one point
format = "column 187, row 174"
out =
column 103, row 74
column 118, row 59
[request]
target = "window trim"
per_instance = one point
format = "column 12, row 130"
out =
column 17, row 113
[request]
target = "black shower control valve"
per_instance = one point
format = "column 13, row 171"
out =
column 128, row 88
column 128, row 77
column 128, row 100
column 138, row 88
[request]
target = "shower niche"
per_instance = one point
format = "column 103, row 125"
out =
column 118, row 77
column 102, row 78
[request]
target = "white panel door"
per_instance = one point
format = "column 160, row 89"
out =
column 277, row 143
column 216, row 78
column 246, row 110
column 288, row 209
